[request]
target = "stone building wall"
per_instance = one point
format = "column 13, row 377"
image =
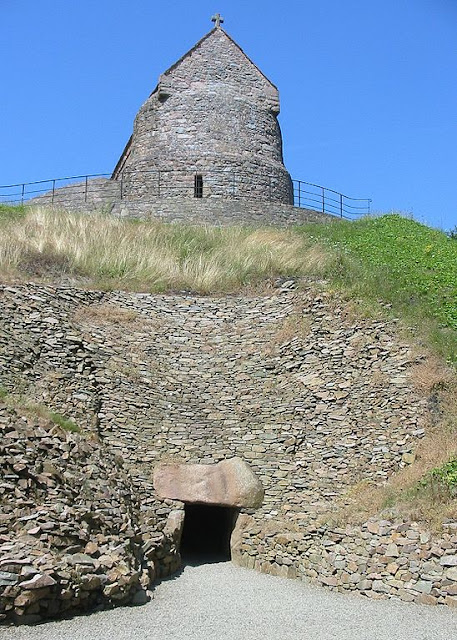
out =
column 105, row 195
column 213, row 113
column 220, row 212
column 313, row 399
column 94, row 194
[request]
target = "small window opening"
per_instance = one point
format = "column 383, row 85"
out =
column 198, row 186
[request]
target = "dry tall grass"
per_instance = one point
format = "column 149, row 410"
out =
column 111, row 252
column 403, row 493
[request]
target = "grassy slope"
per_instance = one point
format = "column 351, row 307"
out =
column 403, row 263
column 390, row 259
column 390, row 263
column 106, row 252
column 413, row 269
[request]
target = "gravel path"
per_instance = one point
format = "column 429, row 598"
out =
column 221, row 602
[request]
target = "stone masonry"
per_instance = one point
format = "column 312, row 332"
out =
column 104, row 195
column 380, row 559
column 212, row 114
column 313, row 399
column 71, row 536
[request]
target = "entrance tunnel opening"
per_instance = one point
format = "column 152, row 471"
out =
column 206, row 533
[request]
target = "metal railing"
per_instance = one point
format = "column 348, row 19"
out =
column 99, row 188
column 20, row 193
column 325, row 200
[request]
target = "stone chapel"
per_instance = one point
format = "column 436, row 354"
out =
column 208, row 130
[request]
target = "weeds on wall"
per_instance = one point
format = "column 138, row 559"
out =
column 63, row 423
column 18, row 401
column 441, row 482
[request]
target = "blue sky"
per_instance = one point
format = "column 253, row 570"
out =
column 368, row 87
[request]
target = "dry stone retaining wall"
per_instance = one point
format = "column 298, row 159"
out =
column 215, row 378
column 312, row 398
column 71, row 537
column 379, row 559
column 104, row 195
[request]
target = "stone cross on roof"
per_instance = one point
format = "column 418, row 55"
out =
column 217, row 19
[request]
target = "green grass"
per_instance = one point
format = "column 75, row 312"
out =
column 395, row 260
column 11, row 212
column 64, row 423
column 390, row 260
column 18, row 401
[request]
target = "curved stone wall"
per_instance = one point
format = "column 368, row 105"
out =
column 379, row 559
column 313, row 401
column 213, row 113
column 104, row 195
column 312, row 398
column 69, row 530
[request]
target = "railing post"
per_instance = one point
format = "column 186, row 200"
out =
column 369, row 206
column 53, row 191
column 22, row 194
column 323, row 199
column 85, row 189
column 341, row 205
column 299, row 193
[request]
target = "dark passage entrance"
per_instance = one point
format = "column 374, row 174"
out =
column 206, row 533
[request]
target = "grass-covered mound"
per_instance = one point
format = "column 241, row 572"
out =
column 107, row 252
column 388, row 264
column 389, row 260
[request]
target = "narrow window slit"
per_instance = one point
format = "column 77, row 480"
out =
column 198, row 186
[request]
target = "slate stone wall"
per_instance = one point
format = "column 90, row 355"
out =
column 70, row 532
column 379, row 559
column 314, row 400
